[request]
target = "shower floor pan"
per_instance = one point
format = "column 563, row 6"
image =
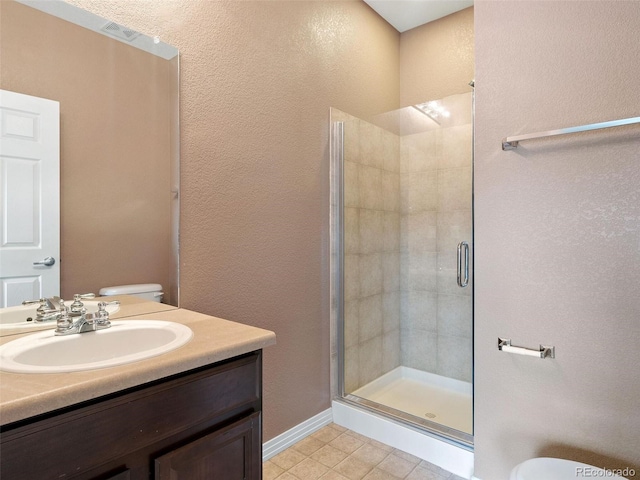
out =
column 426, row 396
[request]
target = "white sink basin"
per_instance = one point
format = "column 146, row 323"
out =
column 24, row 316
column 125, row 342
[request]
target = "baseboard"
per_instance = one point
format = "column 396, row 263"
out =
column 295, row 434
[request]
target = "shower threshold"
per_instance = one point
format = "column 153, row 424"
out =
column 440, row 404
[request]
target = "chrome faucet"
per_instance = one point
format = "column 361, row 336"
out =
column 74, row 318
column 69, row 322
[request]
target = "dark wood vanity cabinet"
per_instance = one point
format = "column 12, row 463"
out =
column 224, row 454
column 201, row 424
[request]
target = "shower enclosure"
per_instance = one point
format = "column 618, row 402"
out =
column 402, row 264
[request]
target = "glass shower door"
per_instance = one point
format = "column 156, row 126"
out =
column 405, row 238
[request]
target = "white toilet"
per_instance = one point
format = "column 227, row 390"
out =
column 558, row 469
column 146, row 291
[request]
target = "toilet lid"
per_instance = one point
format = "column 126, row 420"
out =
column 558, row 469
column 131, row 289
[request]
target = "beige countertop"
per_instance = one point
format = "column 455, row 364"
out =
column 25, row 395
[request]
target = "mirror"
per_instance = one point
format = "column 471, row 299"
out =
column 119, row 140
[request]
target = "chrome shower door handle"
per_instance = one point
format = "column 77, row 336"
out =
column 463, row 264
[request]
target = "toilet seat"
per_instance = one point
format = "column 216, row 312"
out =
column 558, row 469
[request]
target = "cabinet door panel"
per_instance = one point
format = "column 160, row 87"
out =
column 231, row 453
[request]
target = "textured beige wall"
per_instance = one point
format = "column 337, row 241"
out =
column 557, row 237
column 257, row 82
column 436, row 59
column 556, row 223
column 115, row 149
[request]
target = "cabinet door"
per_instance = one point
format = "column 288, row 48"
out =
column 231, row 453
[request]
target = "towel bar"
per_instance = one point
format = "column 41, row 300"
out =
column 504, row 344
column 511, row 143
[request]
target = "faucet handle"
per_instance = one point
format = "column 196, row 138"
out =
column 43, row 306
column 77, row 305
column 33, row 302
column 84, row 296
column 102, row 316
column 64, row 322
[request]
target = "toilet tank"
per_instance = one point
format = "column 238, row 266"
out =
column 146, row 291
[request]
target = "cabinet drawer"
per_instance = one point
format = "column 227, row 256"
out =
column 76, row 441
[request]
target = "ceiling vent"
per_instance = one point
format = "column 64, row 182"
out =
column 118, row 31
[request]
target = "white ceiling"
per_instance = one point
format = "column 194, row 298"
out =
column 407, row 14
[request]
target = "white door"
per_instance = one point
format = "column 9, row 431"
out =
column 29, row 198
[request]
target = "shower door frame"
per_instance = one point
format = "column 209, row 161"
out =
column 441, row 432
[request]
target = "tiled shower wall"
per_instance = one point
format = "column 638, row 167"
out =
column 372, row 252
column 435, row 185
column 407, row 205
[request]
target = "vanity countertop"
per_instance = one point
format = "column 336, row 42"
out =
column 214, row 339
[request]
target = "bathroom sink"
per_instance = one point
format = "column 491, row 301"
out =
column 24, row 316
column 126, row 341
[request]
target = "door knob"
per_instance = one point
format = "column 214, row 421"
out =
column 47, row 262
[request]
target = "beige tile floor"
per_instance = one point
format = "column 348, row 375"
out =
column 335, row 453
